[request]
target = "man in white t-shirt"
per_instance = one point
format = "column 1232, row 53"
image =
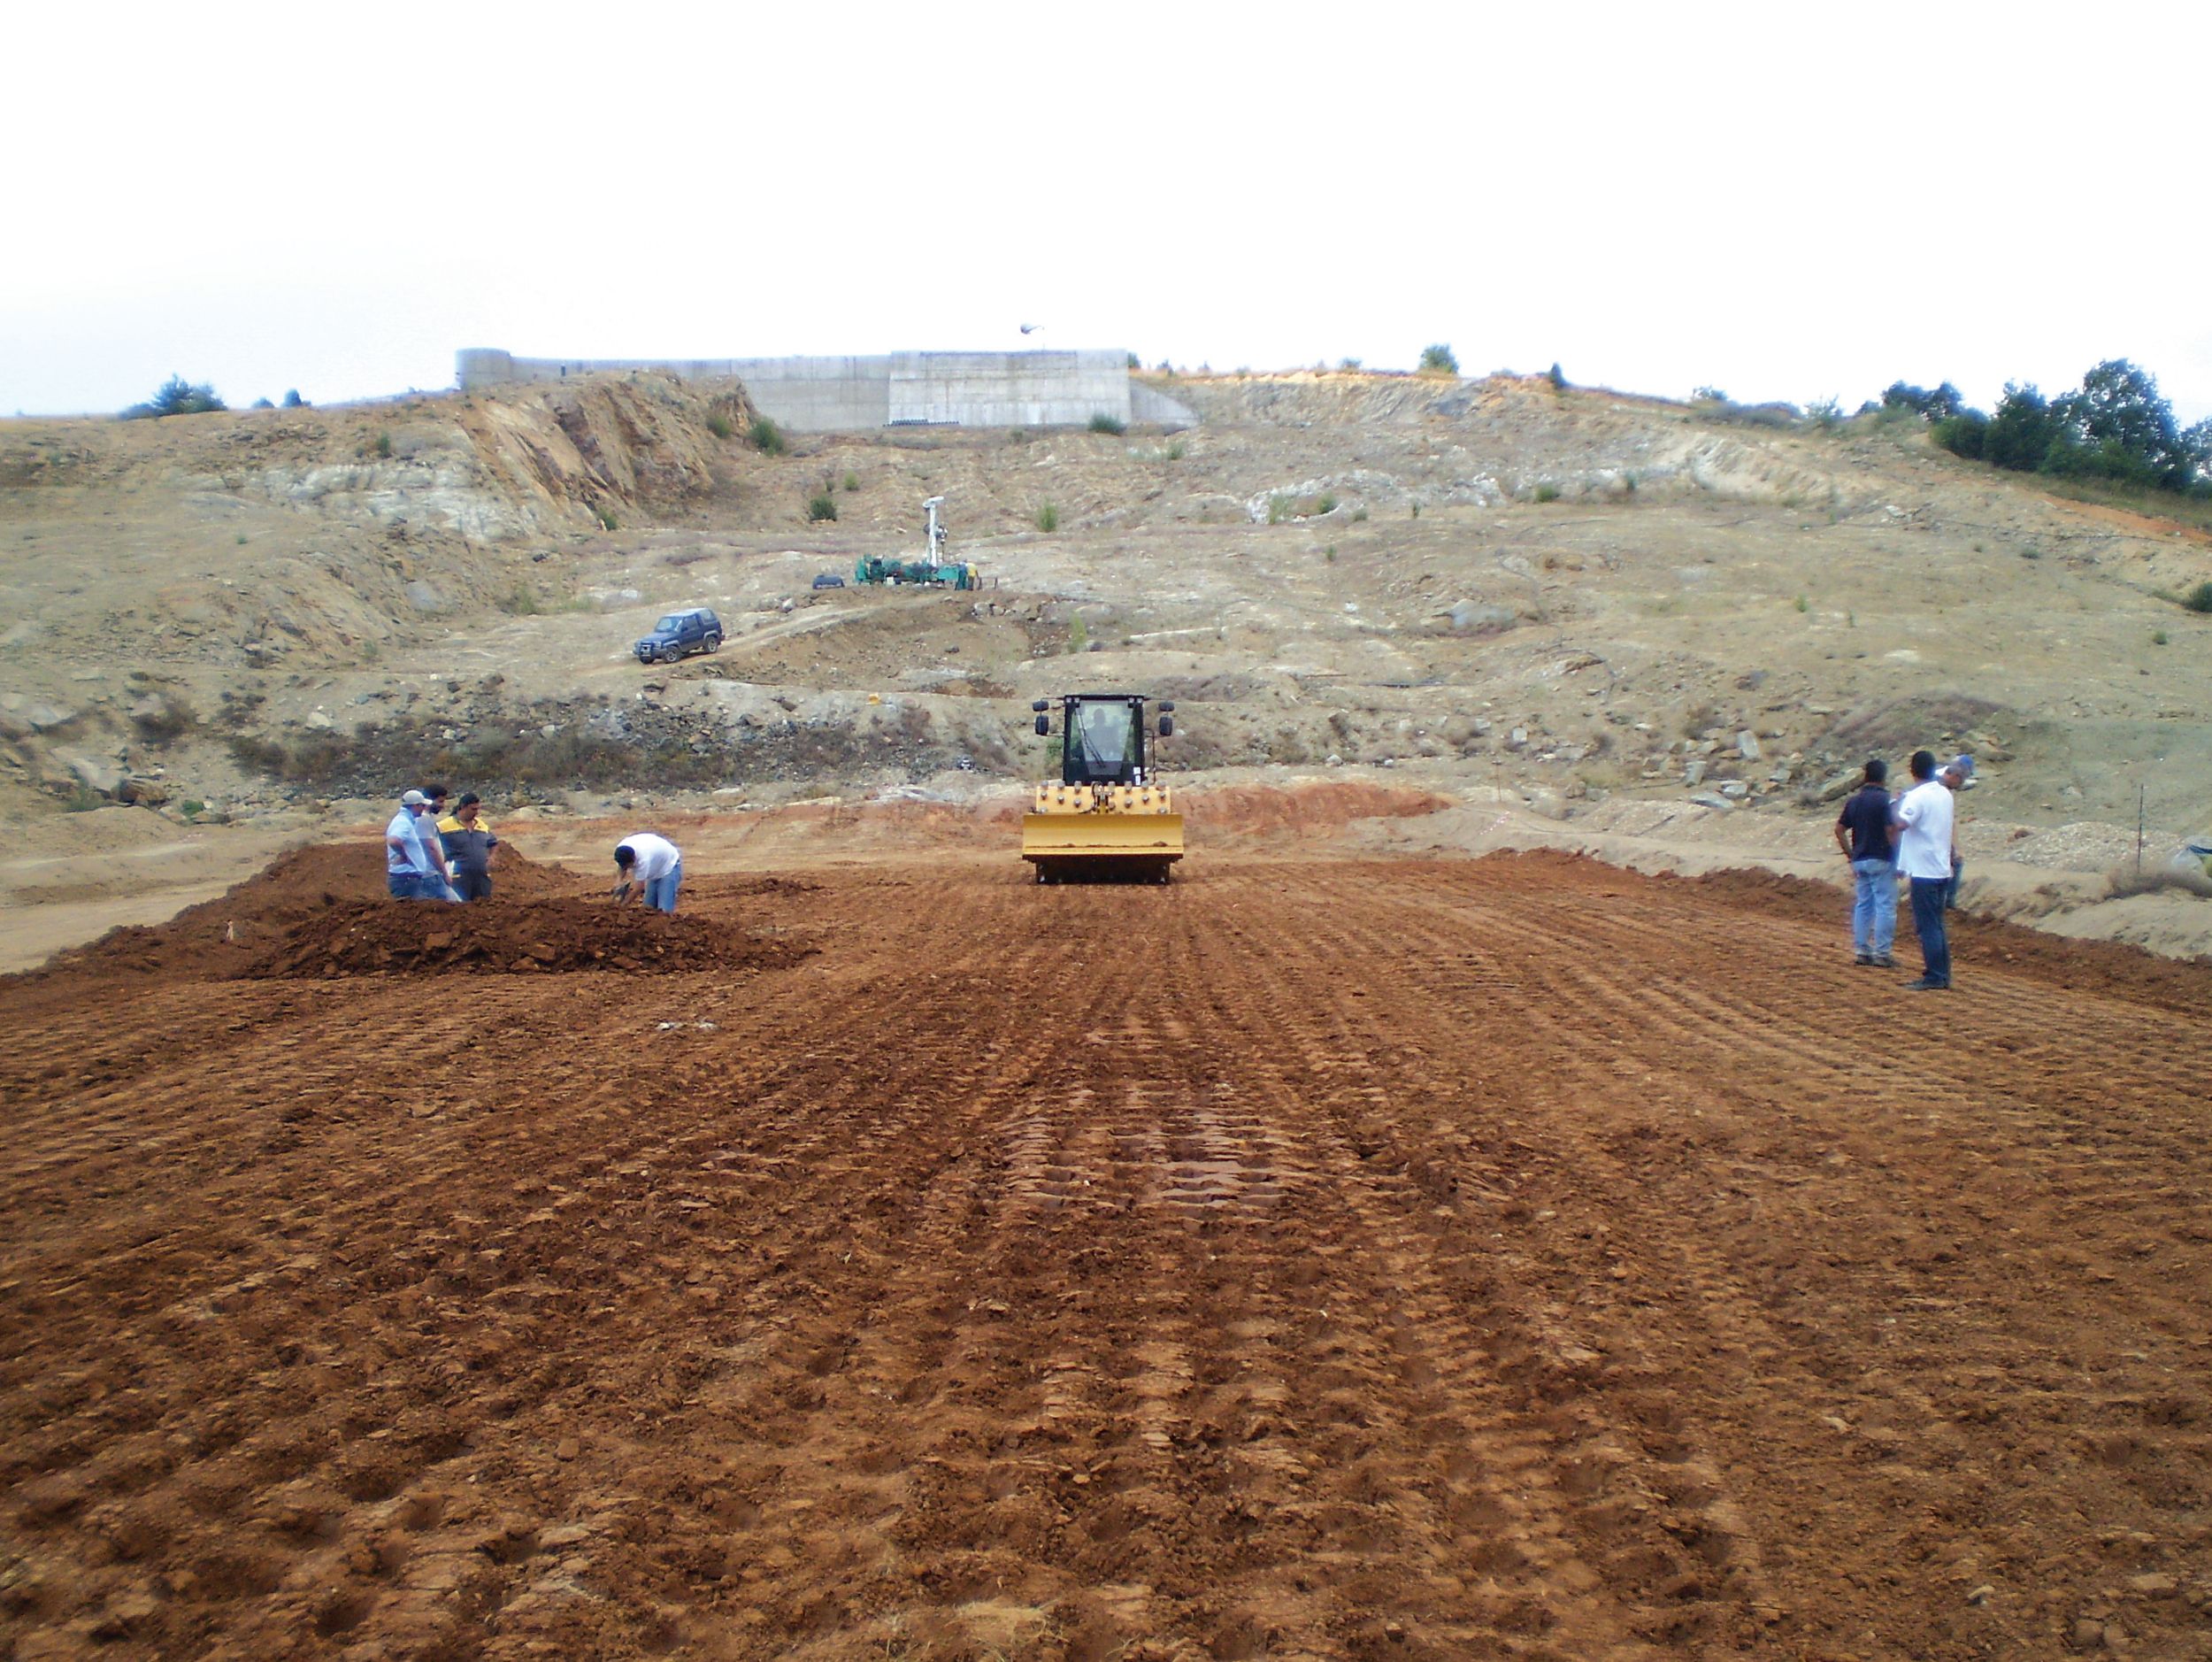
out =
column 1923, row 855
column 653, row 865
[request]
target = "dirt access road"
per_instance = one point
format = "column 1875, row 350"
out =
column 1313, row 1258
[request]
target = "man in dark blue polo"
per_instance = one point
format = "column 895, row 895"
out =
column 1864, row 833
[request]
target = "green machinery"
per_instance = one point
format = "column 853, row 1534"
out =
column 935, row 571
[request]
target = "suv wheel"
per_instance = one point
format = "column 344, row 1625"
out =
column 714, row 643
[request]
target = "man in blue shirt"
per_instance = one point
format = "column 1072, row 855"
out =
column 1864, row 834
column 409, row 871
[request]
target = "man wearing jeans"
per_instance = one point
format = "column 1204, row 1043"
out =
column 1924, row 854
column 1864, row 833
column 654, row 865
column 408, row 872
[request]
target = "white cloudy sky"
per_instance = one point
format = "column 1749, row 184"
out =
column 1785, row 201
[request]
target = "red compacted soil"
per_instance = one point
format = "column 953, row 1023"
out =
column 1309, row 1259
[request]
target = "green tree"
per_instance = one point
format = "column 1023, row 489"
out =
column 176, row 397
column 1438, row 360
column 2021, row 431
column 2118, row 425
column 1932, row 406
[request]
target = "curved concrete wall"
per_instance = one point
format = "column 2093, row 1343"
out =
column 829, row 395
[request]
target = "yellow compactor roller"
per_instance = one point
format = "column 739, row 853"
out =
column 1107, row 820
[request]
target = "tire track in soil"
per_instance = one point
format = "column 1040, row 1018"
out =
column 1313, row 1258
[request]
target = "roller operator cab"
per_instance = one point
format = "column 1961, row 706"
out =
column 1108, row 819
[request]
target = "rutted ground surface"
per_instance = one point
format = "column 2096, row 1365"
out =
column 1349, row 1258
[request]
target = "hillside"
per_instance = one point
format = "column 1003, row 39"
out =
column 1577, row 617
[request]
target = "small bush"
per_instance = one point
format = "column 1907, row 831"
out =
column 820, row 506
column 383, row 445
column 767, row 437
column 1417, row 509
column 263, row 404
column 1802, row 605
column 1329, row 553
column 1135, row 362
column 1048, row 518
column 191, row 807
column 1327, row 504
column 1079, row 633
column 522, row 603
column 1825, row 412
column 81, row 800
column 2199, row 598
column 1557, row 377
column 1176, row 451
column 1548, row 492
column 852, row 480
column 1438, row 360
column 721, row 425
column 1359, row 513
column 2158, row 637
column 1103, row 423
column 1710, row 394
column 1279, row 509
column 605, row 516
column 293, row 401
column 176, row 397
column 1349, row 365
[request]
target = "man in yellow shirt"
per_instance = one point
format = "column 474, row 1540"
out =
column 469, row 843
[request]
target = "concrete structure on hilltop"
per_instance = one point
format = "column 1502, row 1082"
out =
column 832, row 395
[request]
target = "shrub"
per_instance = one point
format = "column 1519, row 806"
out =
column 1966, row 434
column 1348, row 364
column 383, row 444
column 605, row 516
column 1802, row 605
column 1438, row 360
column 293, row 401
column 191, row 807
column 1048, row 518
column 767, row 437
column 852, row 480
column 1709, row 394
column 1327, row 504
column 1103, row 423
column 1135, row 362
column 1079, row 633
column 2158, row 637
column 263, row 404
column 1825, row 412
column 1279, row 509
column 1329, row 553
column 721, row 425
column 1548, row 492
column 1176, row 451
column 1557, row 377
column 522, row 603
column 176, row 397
column 2199, row 598
column 1359, row 513
column 819, row 506
column 81, row 800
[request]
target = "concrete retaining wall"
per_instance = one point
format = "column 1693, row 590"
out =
column 829, row 395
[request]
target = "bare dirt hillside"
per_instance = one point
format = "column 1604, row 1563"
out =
column 1320, row 1258
column 1598, row 622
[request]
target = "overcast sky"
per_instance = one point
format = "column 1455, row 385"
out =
column 1783, row 202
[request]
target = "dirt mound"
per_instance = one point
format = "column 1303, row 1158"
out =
column 370, row 937
column 223, row 936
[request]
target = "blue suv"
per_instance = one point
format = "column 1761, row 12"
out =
column 679, row 634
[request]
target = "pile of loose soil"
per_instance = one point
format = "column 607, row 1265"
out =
column 495, row 936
